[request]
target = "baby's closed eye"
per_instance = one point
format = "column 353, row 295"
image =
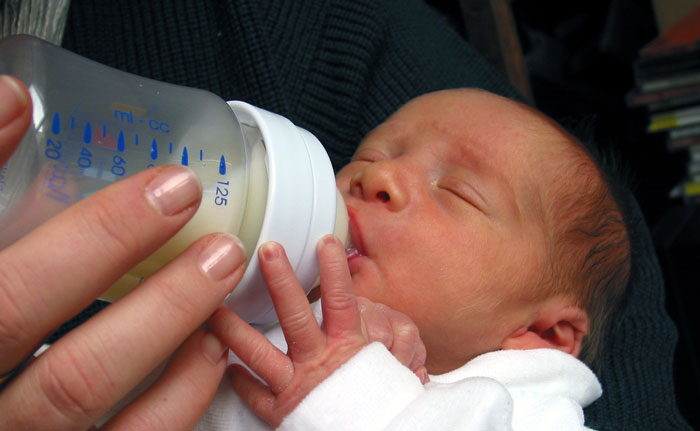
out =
column 462, row 190
column 369, row 155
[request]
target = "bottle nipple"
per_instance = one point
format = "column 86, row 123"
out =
column 340, row 230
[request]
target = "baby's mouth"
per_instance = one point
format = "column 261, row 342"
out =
column 352, row 253
column 355, row 247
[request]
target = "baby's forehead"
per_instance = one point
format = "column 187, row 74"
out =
column 474, row 111
column 479, row 126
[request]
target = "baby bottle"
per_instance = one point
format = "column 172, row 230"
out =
column 263, row 177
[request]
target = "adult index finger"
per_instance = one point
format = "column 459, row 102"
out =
column 188, row 384
column 94, row 366
column 63, row 265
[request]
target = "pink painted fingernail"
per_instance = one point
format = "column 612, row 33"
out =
column 222, row 256
column 14, row 100
column 173, row 190
column 212, row 348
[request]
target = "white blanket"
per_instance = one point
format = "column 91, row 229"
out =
column 542, row 389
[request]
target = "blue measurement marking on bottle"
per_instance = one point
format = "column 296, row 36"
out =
column 222, row 165
column 104, row 131
column 170, row 148
column 201, row 155
column 56, row 124
column 154, row 150
column 72, row 122
column 120, row 142
column 136, row 139
column 87, row 136
column 185, row 157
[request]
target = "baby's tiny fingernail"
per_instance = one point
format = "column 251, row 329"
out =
column 330, row 239
column 222, row 256
column 14, row 100
column 422, row 374
column 212, row 348
column 270, row 251
column 173, row 190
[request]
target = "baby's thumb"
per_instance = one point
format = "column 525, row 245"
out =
column 15, row 113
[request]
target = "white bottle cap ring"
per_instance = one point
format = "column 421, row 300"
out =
column 300, row 210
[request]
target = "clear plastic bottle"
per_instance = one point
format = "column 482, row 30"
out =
column 263, row 177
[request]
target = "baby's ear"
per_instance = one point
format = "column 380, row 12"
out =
column 556, row 325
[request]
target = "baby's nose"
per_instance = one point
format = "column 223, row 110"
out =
column 379, row 182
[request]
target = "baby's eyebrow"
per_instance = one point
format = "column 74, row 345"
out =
column 471, row 158
column 494, row 179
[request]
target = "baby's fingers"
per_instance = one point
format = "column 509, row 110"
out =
column 252, row 348
column 341, row 315
column 253, row 392
column 407, row 346
column 301, row 330
column 375, row 322
column 397, row 332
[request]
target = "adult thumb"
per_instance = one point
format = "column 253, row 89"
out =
column 15, row 114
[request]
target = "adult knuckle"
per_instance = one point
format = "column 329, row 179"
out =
column 70, row 386
column 14, row 319
column 147, row 419
column 113, row 227
column 199, row 391
column 16, row 316
column 179, row 305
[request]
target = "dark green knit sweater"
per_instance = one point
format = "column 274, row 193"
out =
column 339, row 68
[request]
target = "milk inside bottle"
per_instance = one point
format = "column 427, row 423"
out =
column 263, row 177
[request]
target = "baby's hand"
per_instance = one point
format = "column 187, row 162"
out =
column 314, row 352
column 397, row 332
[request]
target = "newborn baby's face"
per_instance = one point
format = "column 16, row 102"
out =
column 446, row 202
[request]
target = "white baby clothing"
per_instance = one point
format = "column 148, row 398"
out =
column 542, row 389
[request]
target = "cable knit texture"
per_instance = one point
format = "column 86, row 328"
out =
column 338, row 68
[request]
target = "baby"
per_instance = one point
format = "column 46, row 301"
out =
column 495, row 232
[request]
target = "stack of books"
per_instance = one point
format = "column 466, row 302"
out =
column 667, row 75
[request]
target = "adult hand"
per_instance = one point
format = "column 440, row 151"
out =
column 314, row 351
column 59, row 268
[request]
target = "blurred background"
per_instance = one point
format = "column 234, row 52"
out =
column 581, row 61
